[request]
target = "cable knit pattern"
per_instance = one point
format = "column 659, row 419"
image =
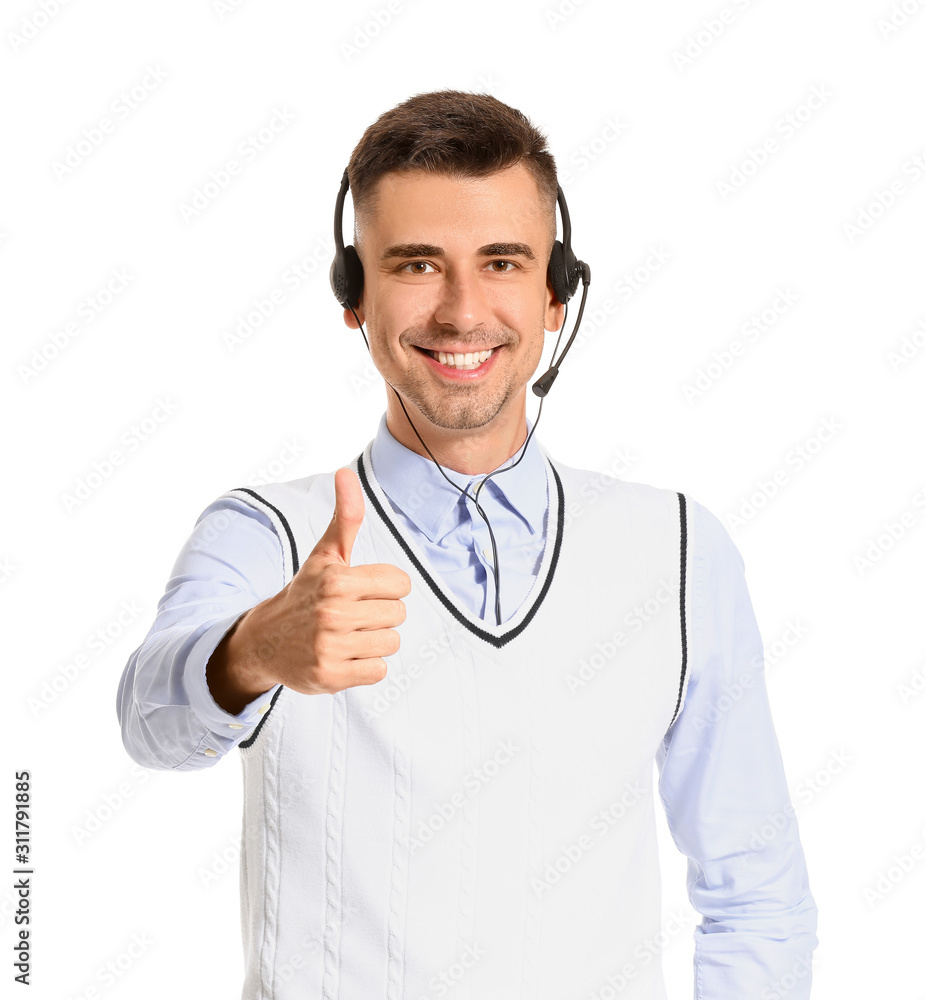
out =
column 536, row 845
column 333, row 843
column 470, row 742
column 401, row 849
column 261, row 856
column 273, row 862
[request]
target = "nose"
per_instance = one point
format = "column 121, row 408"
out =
column 461, row 303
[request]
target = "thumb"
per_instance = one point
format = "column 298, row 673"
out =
column 337, row 541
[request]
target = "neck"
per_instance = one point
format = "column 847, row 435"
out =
column 470, row 452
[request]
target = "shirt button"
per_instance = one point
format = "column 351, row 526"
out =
column 486, row 553
column 210, row 753
column 263, row 708
column 235, row 725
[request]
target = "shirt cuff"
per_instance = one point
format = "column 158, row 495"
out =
column 200, row 697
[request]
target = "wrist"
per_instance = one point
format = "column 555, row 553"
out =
column 248, row 669
column 230, row 675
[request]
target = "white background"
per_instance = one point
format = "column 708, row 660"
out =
column 644, row 142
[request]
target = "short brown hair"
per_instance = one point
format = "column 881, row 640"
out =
column 450, row 132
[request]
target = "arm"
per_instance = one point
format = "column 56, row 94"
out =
column 170, row 713
column 230, row 630
column 723, row 786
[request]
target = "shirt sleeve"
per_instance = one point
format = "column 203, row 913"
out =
column 723, row 786
column 232, row 561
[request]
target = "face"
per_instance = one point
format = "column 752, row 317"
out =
column 457, row 267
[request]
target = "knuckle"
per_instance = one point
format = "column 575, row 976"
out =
column 324, row 651
column 326, row 617
column 331, row 581
column 328, row 586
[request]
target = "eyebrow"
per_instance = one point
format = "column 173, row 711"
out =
column 429, row 250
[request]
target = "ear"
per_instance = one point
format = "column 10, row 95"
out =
column 350, row 321
column 554, row 312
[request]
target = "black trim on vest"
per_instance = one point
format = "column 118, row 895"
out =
column 292, row 546
column 682, row 503
column 295, row 569
column 494, row 640
column 266, row 715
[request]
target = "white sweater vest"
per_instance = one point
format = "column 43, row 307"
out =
column 480, row 823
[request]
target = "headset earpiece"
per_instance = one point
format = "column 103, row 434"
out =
column 347, row 277
column 563, row 270
column 346, row 269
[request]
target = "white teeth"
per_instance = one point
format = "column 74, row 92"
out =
column 464, row 362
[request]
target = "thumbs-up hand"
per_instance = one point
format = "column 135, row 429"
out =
column 331, row 625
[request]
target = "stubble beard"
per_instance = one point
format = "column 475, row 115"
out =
column 459, row 405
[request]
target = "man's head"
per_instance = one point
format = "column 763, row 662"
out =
column 454, row 201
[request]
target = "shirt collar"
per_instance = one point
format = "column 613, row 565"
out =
column 403, row 476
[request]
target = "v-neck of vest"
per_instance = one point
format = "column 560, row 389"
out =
column 496, row 635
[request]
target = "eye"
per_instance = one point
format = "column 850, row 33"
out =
column 510, row 263
column 415, row 263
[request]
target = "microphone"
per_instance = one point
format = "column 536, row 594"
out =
column 544, row 383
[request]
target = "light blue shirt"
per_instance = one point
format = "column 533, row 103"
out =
column 454, row 535
column 721, row 776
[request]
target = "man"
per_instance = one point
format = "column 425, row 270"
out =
column 448, row 758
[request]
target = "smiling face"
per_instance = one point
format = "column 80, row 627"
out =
column 458, row 266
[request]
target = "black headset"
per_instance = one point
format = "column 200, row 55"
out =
column 564, row 271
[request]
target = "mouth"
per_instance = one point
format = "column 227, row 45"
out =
column 461, row 362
